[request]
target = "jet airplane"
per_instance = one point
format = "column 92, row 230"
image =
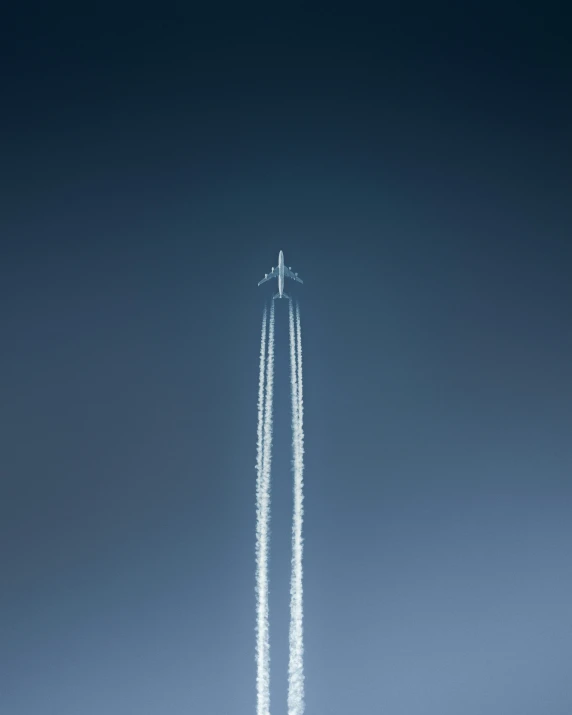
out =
column 280, row 272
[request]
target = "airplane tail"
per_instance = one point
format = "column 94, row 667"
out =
column 277, row 295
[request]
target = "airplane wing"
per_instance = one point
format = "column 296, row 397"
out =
column 291, row 275
column 273, row 274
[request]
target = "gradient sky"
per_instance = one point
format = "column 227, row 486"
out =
column 415, row 166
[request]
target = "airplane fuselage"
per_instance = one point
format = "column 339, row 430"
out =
column 281, row 274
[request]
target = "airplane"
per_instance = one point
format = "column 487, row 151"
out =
column 280, row 272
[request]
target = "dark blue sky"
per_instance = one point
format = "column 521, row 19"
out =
column 415, row 166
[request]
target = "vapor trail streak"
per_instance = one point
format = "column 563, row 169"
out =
column 296, row 660
column 259, row 432
column 293, row 383
column 261, row 588
column 263, row 464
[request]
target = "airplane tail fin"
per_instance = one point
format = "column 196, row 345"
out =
column 277, row 295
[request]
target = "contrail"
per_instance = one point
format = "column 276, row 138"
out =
column 296, row 661
column 261, row 587
column 263, row 464
column 259, row 433
column 293, row 383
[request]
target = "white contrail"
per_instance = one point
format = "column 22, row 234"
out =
column 263, row 464
column 259, row 433
column 296, row 661
column 293, row 383
column 300, row 393
column 261, row 589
